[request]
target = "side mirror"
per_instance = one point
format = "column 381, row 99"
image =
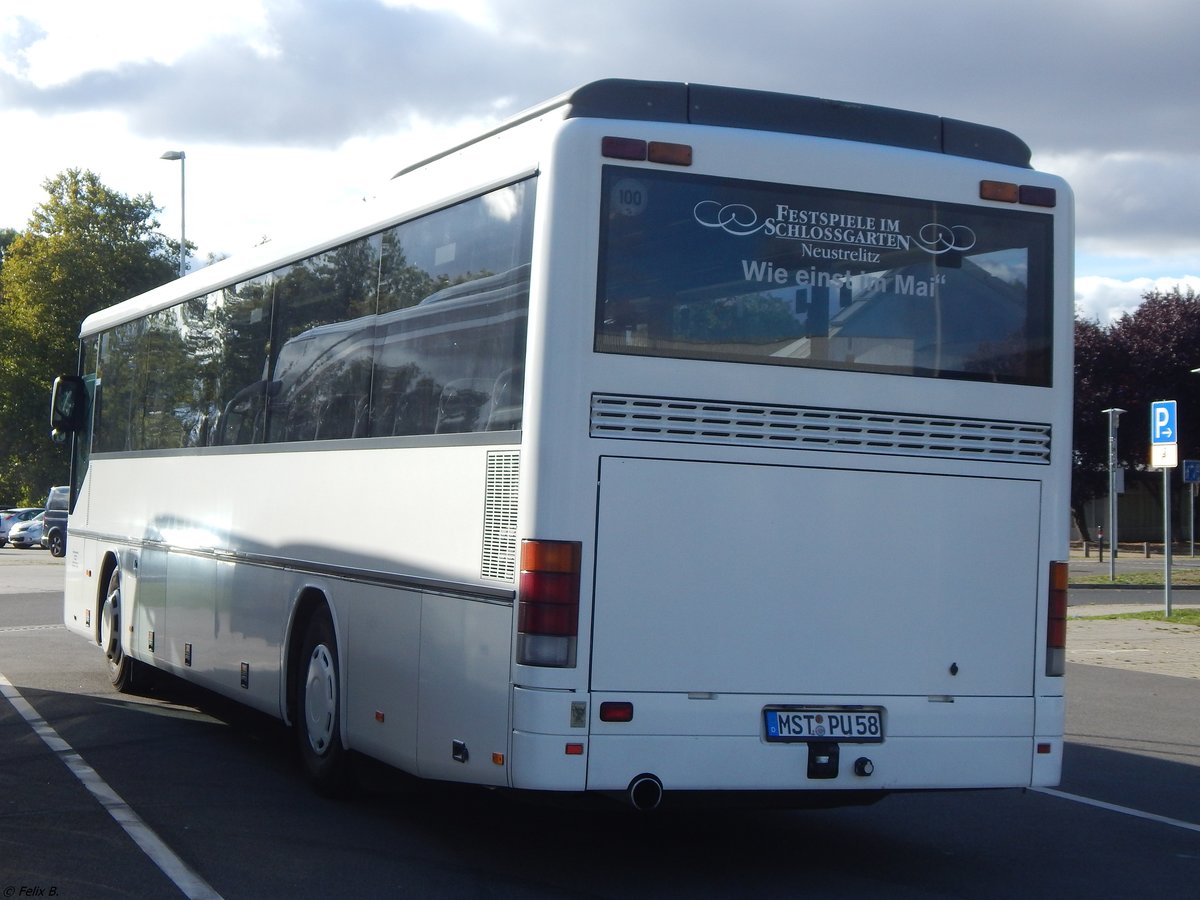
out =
column 68, row 407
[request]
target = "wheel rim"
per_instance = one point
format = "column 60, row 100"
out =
column 320, row 699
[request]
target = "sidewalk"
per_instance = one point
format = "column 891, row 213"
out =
column 1160, row 648
column 1138, row 645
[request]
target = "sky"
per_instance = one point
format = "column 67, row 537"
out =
column 286, row 108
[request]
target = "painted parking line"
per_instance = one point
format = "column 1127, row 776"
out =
column 191, row 884
column 1124, row 810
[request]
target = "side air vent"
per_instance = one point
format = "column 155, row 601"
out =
column 500, row 516
column 810, row 428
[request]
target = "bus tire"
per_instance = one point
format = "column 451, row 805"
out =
column 121, row 667
column 318, row 714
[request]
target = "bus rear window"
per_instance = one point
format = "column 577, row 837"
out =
column 694, row 267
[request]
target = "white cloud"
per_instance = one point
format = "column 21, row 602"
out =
column 51, row 43
column 1134, row 204
column 1105, row 300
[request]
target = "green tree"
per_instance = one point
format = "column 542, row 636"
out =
column 1096, row 368
column 85, row 248
column 1144, row 356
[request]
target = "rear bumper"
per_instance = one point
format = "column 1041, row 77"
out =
column 747, row 764
column 718, row 743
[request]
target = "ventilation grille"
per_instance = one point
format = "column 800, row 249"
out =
column 500, row 516
column 809, row 428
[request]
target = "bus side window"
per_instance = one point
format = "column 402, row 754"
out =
column 507, row 400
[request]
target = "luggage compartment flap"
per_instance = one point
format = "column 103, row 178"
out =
column 768, row 579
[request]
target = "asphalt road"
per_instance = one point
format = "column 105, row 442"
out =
column 217, row 787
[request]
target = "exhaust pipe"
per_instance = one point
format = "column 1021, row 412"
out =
column 645, row 793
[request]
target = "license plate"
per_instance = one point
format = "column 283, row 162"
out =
column 847, row 725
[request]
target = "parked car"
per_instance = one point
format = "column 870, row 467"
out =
column 54, row 525
column 28, row 533
column 10, row 517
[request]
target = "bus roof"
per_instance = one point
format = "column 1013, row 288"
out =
column 705, row 104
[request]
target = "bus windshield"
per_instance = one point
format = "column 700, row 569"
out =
column 697, row 267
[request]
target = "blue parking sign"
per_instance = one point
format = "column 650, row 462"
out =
column 1163, row 429
column 1191, row 471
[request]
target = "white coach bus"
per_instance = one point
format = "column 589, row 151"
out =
column 667, row 437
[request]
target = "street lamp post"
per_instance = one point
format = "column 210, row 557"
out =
column 182, row 157
column 1113, row 415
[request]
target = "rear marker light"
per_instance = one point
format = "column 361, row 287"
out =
column 1002, row 191
column 574, row 749
column 1038, row 196
column 616, row 711
column 670, row 154
column 655, row 151
column 548, row 610
column 1044, row 749
column 1056, row 622
column 623, row 148
column 1028, row 194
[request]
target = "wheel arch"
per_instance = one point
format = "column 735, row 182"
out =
column 310, row 599
column 107, row 565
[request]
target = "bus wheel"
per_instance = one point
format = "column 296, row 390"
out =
column 318, row 719
column 120, row 666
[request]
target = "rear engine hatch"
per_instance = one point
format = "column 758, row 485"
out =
column 786, row 580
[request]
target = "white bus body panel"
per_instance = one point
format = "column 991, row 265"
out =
column 415, row 662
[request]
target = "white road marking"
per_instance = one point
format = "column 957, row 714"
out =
column 191, row 884
column 1124, row 810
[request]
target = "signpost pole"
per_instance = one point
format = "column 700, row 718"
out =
column 1166, row 541
column 1113, row 414
column 1164, row 454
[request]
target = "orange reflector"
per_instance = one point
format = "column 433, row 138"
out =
column 378, row 715
column 560, row 557
column 670, row 154
column 1002, row 191
column 498, row 759
column 574, row 749
column 1060, row 578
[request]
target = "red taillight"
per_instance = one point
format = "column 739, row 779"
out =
column 548, row 610
column 616, row 711
column 623, row 148
column 1056, row 622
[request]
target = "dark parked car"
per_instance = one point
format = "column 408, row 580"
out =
column 54, row 524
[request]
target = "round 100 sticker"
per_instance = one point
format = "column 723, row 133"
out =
column 629, row 197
